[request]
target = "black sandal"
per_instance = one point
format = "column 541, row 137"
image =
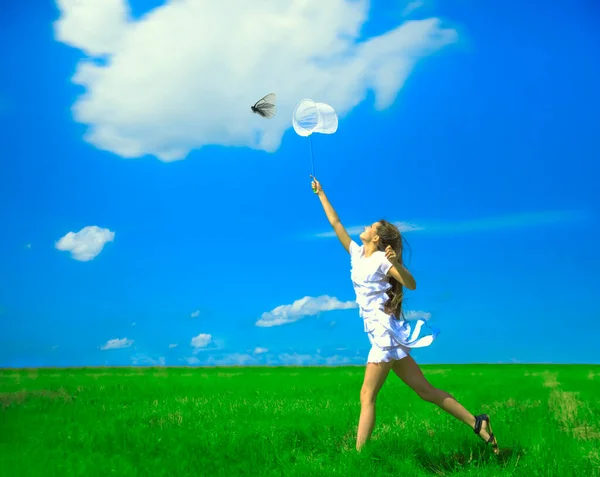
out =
column 492, row 440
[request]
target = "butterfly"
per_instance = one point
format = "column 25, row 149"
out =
column 265, row 107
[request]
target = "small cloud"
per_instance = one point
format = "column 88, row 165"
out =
column 332, row 324
column 28, row 246
column 259, row 350
column 201, row 341
column 145, row 360
column 117, row 344
column 232, row 359
column 133, row 324
column 195, row 314
column 307, row 306
column 337, row 360
column 482, row 224
column 55, row 347
column 300, row 359
column 86, row 244
column 412, row 6
column 173, row 345
column 416, row 315
column 358, row 229
column 192, row 360
column 296, row 359
column 505, row 222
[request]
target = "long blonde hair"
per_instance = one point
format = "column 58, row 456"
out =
column 390, row 235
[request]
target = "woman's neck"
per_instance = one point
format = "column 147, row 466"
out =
column 370, row 249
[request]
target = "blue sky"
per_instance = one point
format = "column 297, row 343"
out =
column 476, row 124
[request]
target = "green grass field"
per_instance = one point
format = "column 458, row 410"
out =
column 293, row 422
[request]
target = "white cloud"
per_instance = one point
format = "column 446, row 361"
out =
column 195, row 314
column 483, row 224
column 339, row 360
column 192, row 360
column 145, row 360
column 259, row 350
column 173, row 345
column 184, row 75
column 95, row 27
column 201, row 341
column 87, row 243
column 290, row 358
column 295, row 359
column 417, row 314
column 508, row 221
column 412, row 6
column 299, row 359
column 117, row 343
column 306, row 306
column 238, row 359
column 358, row 229
column 232, row 359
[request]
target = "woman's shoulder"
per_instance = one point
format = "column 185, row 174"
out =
column 355, row 249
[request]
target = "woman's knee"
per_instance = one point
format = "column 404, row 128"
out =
column 427, row 393
column 368, row 395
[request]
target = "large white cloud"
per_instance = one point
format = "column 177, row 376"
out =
column 185, row 74
column 86, row 244
column 306, row 306
column 95, row 27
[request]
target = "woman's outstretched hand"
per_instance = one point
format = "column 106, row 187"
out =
column 316, row 185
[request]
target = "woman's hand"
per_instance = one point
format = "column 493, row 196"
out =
column 316, row 185
column 390, row 254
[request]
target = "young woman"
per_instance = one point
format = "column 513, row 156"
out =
column 378, row 276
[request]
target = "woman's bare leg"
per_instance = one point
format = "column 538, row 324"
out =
column 375, row 376
column 409, row 372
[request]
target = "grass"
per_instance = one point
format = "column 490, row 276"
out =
column 293, row 422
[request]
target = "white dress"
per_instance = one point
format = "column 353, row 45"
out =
column 390, row 338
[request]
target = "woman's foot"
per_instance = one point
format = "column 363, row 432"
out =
column 483, row 429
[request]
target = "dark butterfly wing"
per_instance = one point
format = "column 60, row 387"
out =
column 266, row 106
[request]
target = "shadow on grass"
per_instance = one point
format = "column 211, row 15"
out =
column 466, row 455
